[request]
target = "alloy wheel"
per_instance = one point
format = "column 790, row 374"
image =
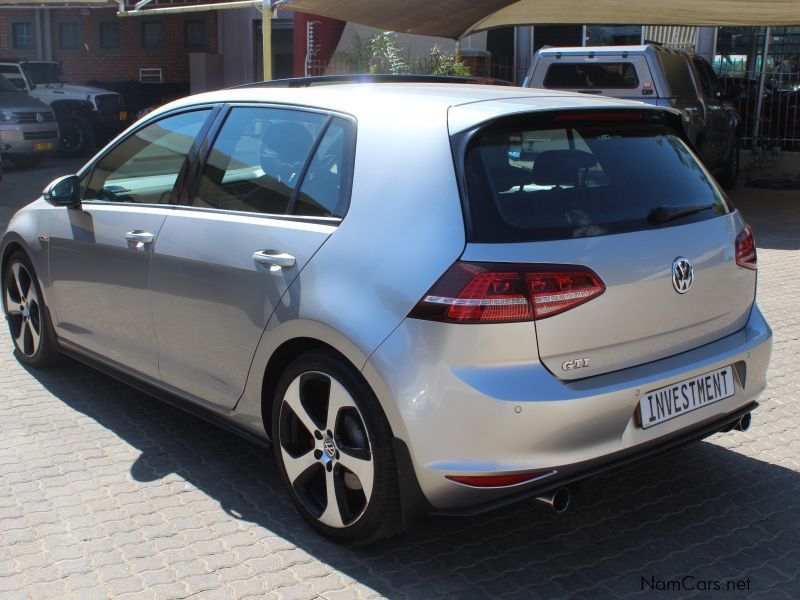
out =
column 325, row 449
column 23, row 309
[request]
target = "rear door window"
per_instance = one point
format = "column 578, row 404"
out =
column 257, row 160
column 543, row 178
column 325, row 189
column 607, row 75
column 708, row 80
column 679, row 78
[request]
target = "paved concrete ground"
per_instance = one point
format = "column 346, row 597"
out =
column 105, row 492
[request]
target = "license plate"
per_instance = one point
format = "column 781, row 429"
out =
column 44, row 147
column 685, row 396
column 123, row 116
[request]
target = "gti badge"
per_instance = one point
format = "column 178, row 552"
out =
column 577, row 363
column 682, row 275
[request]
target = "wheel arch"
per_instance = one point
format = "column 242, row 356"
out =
column 23, row 238
column 280, row 359
column 9, row 248
column 413, row 503
column 13, row 242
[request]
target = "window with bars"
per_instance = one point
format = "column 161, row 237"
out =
column 68, row 35
column 22, row 35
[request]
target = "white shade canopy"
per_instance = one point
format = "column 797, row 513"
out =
column 457, row 18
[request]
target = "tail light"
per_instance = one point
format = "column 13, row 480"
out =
column 598, row 116
column 746, row 249
column 505, row 293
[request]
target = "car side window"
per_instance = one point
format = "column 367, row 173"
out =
column 257, row 159
column 706, row 79
column 324, row 191
column 678, row 74
column 144, row 168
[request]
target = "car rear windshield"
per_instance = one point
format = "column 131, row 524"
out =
column 571, row 176
column 618, row 75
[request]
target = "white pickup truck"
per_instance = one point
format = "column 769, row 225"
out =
column 86, row 115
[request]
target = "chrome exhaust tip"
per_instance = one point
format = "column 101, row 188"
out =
column 743, row 424
column 558, row 500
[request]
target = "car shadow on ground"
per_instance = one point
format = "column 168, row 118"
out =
column 699, row 511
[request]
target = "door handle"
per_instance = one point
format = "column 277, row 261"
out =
column 274, row 258
column 140, row 237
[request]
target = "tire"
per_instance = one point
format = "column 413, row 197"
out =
column 730, row 172
column 26, row 314
column 26, row 161
column 75, row 136
column 313, row 462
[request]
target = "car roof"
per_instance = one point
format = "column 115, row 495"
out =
column 595, row 49
column 384, row 100
column 638, row 49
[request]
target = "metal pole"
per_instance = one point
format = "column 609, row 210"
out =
column 761, row 81
column 48, row 35
column 37, row 32
column 266, row 38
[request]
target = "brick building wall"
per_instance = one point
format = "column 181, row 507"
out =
column 75, row 42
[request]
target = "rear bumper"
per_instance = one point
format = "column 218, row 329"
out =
column 572, row 474
column 469, row 402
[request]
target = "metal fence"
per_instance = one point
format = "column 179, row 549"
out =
column 775, row 122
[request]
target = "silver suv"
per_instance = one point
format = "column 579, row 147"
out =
column 28, row 128
column 86, row 114
column 430, row 298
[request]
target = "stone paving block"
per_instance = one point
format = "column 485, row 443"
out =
column 299, row 591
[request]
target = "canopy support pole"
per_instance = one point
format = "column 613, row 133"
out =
column 266, row 39
column 761, row 81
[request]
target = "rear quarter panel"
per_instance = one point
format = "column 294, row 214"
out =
column 404, row 228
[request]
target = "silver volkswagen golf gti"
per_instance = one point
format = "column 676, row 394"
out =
column 430, row 298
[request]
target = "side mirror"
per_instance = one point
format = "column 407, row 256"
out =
column 64, row 191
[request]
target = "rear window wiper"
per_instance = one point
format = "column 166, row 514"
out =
column 662, row 214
